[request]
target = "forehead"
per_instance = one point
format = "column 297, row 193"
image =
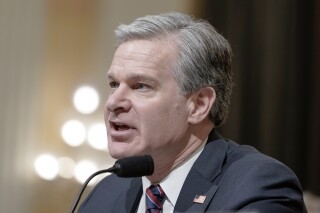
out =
column 144, row 55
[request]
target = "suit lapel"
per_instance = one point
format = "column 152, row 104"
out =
column 133, row 196
column 202, row 206
column 200, row 178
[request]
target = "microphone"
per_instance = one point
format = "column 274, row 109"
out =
column 135, row 166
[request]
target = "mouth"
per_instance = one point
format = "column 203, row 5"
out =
column 120, row 131
column 119, row 126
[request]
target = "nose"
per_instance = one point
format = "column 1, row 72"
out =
column 118, row 101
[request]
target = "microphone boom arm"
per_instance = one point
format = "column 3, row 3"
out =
column 74, row 206
column 135, row 166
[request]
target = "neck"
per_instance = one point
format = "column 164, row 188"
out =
column 164, row 165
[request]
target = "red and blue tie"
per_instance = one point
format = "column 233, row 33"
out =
column 154, row 199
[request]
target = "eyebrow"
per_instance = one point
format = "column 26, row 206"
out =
column 135, row 77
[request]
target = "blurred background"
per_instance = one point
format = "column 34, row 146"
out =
column 54, row 55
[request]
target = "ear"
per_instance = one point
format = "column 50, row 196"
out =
column 200, row 104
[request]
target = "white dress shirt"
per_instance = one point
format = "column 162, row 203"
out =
column 171, row 184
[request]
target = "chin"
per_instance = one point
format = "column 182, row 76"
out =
column 119, row 150
column 117, row 154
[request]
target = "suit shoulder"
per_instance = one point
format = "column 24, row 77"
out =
column 108, row 191
column 262, row 181
column 245, row 156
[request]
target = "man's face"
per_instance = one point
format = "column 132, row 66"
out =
column 144, row 113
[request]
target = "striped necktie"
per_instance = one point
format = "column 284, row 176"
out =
column 154, row 199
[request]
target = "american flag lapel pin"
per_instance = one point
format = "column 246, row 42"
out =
column 199, row 199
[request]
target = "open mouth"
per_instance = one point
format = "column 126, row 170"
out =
column 119, row 126
column 120, row 131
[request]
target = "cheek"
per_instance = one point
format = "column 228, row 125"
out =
column 163, row 118
column 105, row 113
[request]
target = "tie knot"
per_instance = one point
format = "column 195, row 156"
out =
column 154, row 198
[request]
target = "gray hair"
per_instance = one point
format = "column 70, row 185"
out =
column 204, row 55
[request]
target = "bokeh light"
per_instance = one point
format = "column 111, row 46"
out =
column 97, row 136
column 83, row 170
column 86, row 100
column 73, row 133
column 66, row 167
column 46, row 166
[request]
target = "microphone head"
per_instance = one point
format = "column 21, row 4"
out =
column 135, row 166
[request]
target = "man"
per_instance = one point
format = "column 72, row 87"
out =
column 170, row 87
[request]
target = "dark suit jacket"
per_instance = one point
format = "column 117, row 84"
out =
column 234, row 178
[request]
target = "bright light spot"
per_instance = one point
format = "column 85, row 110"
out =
column 83, row 170
column 73, row 133
column 86, row 100
column 46, row 166
column 97, row 137
column 66, row 166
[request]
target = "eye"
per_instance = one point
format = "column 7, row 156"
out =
column 113, row 84
column 142, row 86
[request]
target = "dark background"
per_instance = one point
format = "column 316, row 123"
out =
column 276, row 99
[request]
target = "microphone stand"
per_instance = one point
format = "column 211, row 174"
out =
column 76, row 202
column 135, row 166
